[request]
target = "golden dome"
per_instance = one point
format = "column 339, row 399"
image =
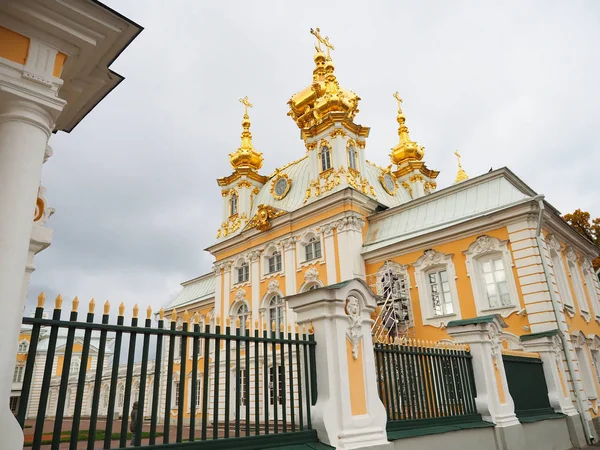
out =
column 406, row 150
column 309, row 106
column 246, row 156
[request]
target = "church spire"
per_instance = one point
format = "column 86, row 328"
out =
column 246, row 156
column 405, row 149
column 461, row 175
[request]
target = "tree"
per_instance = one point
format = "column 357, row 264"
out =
column 580, row 221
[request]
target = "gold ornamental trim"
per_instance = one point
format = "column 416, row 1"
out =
column 288, row 185
column 388, row 171
column 521, row 354
column 262, row 219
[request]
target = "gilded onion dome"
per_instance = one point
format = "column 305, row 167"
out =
column 406, row 150
column 246, row 156
column 309, row 106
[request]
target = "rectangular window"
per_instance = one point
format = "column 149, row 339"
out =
column 18, row 374
column 279, row 385
column 596, row 361
column 312, row 250
column 14, row 404
column 586, row 374
column 275, row 263
column 243, row 273
column 199, row 391
column 578, row 285
column 176, row 394
column 561, row 281
column 496, row 286
column 440, row 293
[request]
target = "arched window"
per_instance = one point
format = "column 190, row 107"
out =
column 312, row 250
column 233, row 204
column 325, row 154
column 135, row 393
column 120, row 395
column 74, row 369
column 352, row 161
column 561, row 280
column 23, row 346
column 276, row 313
column 242, row 312
column 68, row 402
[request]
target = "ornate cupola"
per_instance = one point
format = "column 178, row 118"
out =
column 239, row 188
column 461, row 175
column 324, row 112
column 411, row 172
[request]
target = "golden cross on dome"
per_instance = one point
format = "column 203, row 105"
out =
column 244, row 101
column 397, row 97
column 458, row 156
column 322, row 40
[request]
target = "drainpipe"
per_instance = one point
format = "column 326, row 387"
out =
column 564, row 338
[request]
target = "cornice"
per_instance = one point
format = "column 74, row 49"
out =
column 330, row 121
column 239, row 173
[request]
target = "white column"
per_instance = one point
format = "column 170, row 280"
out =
column 330, row 256
column 255, row 285
column 24, row 131
column 217, row 268
column 348, row 413
column 350, row 240
column 223, row 305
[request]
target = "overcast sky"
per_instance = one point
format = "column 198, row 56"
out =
column 506, row 83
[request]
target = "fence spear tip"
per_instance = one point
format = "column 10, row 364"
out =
column 297, row 329
column 106, row 307
column 227, row 321
column 92, row 306
column 161, row 313
column 196, row 318
column 311, row 329
column 174, row 315
column 149, row 312
column 75, row 304
column 185, row 316
column 256, row 325
column 136, row 310
column 58, row 301
column 122, row 309
column 41, row 299
column 248, row 323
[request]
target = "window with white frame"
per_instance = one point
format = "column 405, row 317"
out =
column 560, row 276
column 74, row 369
column 175, row 394
column 489, row 266
column 352, row 157
column 312, row 249
column 241, row 312
column 120, row 395
column 577, row 283
column 436, row 281
column 18, row 374
column 198, row 390
column 585, row 369
column 325, row 157
column 596, row 360
column 23, row 346
column 242, row 273
column 439, row 290
column 274, row 262
column 14, row 404
column 276, row 314
column 590, row 283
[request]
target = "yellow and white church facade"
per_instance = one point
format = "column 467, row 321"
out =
column 483, row 245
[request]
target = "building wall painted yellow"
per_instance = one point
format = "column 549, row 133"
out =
column 13, row 46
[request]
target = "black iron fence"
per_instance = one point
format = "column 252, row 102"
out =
column 526, row 383
column 424, row 384
column 192, row 381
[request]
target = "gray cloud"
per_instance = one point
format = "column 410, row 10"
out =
column 134, row 184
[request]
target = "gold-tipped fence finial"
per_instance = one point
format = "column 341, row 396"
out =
column 75, row 304
column 92, row 306
column 136, row 311
column 41, row 299
column 106, row 307
column 174, row 315
column 122, row 309
column 58, row 302
column 161, row 314
column 149, row 312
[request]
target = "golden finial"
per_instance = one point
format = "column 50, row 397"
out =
column 227, row 321
column 92, row 306
column 273, row 325
column 289, row 328
column 297, row 329
column 246, row 156
column 264, row 325
column 41, row 300
column 58, row 301
column 122, row 309
column 311, row 329
column 256, row 325
column 248, row 323
column 161, row 313
column 75, row 304
column 405, row 149
column 196, row 318
column 136, row 311
column 185, row 316
column 149, row 312
column 217, row 320
column 461, row 175
column 238, row 322
column 106, row 307
column 281, row 328
column 174, row 315
column 303, row 328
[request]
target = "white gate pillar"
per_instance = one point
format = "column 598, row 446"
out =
column 493, row 400
column 348, row 413
column 24, row 131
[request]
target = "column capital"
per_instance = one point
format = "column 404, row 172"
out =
column 22, row 110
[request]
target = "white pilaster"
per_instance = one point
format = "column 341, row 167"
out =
column 289, row 267
column 330, row 256
column 348, row 413
column 24, row 131
column 217, row 269
column 254, row 258
column 350, row 240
